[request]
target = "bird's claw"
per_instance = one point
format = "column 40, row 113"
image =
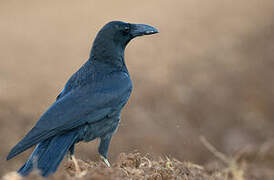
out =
column 78, row 172
column 105, row 161
column 77, row 168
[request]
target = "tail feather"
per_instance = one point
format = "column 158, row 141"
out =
column 48, row 154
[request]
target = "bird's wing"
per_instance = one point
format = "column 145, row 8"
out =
column 86, row 104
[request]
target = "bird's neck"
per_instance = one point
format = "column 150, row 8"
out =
column 109, row 54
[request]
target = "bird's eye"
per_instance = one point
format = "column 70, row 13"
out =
column 126, row 30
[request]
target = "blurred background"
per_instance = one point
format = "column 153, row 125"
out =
column 209, row 72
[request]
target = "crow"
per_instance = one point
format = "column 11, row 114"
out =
column 89, row 106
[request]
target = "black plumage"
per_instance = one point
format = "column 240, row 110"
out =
column 90, row 104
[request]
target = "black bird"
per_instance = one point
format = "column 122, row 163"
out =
column 89, row 106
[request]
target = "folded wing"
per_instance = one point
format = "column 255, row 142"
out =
column 86, row 104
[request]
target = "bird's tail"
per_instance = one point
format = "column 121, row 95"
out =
column 48, row 154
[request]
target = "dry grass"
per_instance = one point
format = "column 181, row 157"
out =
column 135, row 166
column 245, row 165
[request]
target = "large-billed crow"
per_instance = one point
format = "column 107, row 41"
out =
column 90, row 104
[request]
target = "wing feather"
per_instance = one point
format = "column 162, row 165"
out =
column 86, row 104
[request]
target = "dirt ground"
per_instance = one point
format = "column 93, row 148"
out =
column 209, row 72
column 136, row 166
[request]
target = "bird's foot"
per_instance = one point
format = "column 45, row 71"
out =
column 77, row 168
column 78, row 172
column 105, row 160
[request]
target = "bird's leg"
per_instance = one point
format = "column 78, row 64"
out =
column 72, row 157
column 77, row 168
column 70, row 152
column 103, row 148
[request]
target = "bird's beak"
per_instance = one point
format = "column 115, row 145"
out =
column 142, row 29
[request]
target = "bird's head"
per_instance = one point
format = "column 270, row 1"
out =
column 115, row 35
column 121, row 33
